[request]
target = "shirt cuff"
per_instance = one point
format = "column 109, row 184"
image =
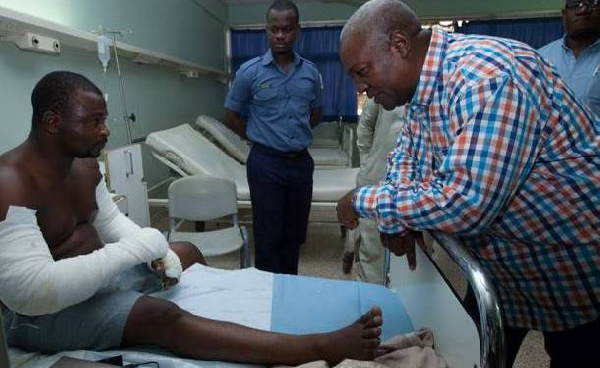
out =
column 377, row 202
column 364, row 201
column 232, row 104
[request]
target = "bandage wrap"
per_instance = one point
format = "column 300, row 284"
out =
column 112, row 225
column 32, row 283
column 172, row 263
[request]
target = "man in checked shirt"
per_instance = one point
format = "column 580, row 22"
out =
column 498, row 151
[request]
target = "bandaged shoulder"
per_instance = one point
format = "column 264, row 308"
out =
column 32, row 283
column 110, row 223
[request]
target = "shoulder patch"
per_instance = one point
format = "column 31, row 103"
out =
column 249, row 63
column 308, row 62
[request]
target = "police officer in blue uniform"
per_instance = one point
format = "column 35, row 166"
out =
column 282, row 95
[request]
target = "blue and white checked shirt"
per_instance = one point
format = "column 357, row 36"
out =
column 497, row 150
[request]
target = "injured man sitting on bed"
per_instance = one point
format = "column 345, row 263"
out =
column 64, row 245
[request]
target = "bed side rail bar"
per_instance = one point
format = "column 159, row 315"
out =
column 491, row 331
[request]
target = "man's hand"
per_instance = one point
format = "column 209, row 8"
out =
column 159, row 266
column 404, row 244
column 345, row 211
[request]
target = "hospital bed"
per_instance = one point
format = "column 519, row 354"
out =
column 188, row 152
column 269, row 301
column 324, row 157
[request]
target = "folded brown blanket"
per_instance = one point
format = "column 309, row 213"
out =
column 412, row 350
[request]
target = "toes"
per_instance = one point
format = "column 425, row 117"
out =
column 375, row 321
column 375, row 311
column 372, row 333
column 372, row 313
column 370, row 343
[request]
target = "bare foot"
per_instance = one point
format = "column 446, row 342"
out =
column 359, row 340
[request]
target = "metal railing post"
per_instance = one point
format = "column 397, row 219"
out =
column 491, row 328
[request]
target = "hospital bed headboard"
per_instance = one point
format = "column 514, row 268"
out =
column 233, row 144
column 433, row 304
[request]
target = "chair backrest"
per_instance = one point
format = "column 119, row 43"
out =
column 230, row 141
column 194, row 154
column 199, row 198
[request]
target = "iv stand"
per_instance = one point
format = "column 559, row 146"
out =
column 127, row 118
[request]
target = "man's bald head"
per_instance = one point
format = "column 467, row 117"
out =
column 383, row 48
column 377, row 19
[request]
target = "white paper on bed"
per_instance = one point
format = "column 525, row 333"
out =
column 241, row 296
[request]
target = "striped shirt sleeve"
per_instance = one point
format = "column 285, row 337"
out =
column 492, row 148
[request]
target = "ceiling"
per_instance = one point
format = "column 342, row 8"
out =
column 242, row 12
column 250, row 2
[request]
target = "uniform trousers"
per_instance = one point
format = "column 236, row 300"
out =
column 281, row 193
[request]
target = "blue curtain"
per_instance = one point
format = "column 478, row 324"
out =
column 536, row 32
column 319, row 45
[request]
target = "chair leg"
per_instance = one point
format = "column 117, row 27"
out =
column 347, row 262
column 245, row 251
column 244, row 257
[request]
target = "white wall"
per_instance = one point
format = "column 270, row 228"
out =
column 158, row 96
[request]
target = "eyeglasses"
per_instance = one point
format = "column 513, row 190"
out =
column 591, row 4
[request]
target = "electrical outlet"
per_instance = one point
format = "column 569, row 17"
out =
column 34, row 42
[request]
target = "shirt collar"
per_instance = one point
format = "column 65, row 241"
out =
column 267, row 58
column 563, row 43
column 432, row 67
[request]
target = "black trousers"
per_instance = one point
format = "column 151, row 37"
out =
column 281, row 193
column 575, row 347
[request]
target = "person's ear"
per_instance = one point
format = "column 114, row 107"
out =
column 399, row 43
column 51, row 121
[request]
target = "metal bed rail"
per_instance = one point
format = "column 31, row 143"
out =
column 491, row 325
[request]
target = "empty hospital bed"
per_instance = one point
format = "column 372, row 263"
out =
column 188, row 152
column 414, row 300
column 324, row 157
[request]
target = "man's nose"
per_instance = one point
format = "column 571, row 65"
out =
column 361, row 87
column 104, row 130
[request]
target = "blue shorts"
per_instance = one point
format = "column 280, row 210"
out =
column 95, row 324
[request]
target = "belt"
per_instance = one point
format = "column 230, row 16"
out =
column 278, row 153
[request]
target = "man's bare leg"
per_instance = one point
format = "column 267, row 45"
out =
column 188, row 253
column 159, row 322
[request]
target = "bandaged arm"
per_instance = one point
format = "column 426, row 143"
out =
column 112, row 225
column 32, row 283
